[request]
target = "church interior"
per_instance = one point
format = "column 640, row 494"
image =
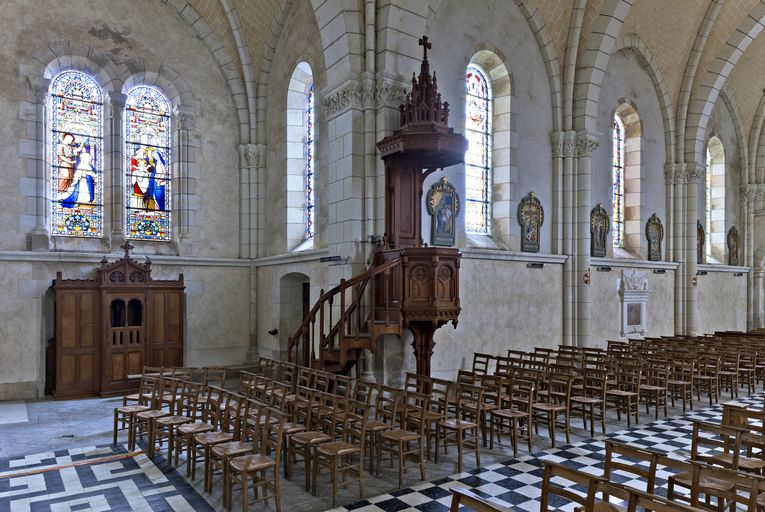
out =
column 382, row 255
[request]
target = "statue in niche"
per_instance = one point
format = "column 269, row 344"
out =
column 654, row 234
column 443, row 205
column 600, row 225
column 701, row 238
column 733, row 242
column 531, row 216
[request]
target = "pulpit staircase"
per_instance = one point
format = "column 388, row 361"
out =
column 349, row 318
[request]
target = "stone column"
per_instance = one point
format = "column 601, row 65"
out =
column 749, row 194
column 185, row 198
column 693, row 174
column 39, row 239
column 567, row 151
column 674, row 176
column 252, row 158
column 586, row 143
column 114, row 195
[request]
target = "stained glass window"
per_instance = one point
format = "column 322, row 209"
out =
column 617, row 194
column 478, row 157
column 708, row 210
column 77, row 155
column 147, row 164
column 309, row 163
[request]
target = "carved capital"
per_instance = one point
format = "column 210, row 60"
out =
column 347, row 96
column 694, row 173
column 569, row 145
column 253, row 155
column 39, row 87
column 670, row 173
column 556, row 142
column 360, row 95
column 389, row 93
column 586, row 143
column 186, row 119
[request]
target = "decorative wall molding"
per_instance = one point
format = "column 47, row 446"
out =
column 475, row 253
column 383, row 92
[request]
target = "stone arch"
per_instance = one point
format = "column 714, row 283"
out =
column 743, row 150
column 296, row 124
column 754, row 142
column 591, row 69
column 245, row 61
column 713, row 79
column 632, row 42
column 629, row 117
column 293, row 288
column 226, row 62
column 343, row 55
column 167, row 80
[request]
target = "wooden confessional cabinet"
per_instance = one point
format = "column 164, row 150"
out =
column 112, row 326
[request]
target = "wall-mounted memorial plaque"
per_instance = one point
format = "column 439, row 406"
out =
column 733, row 243
column 654, row 234
column 600, row 225
column 531, row 216
column 443, row 205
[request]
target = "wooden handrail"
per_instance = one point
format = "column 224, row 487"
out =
column 344, row 326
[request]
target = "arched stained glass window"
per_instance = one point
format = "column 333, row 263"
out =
column 310, row 154
column 478, row 157
column 617, row 194
column 77, row 155
column 147, row 156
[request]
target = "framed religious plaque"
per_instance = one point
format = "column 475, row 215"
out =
column 600, row 225
column 654, row 234
column 443, row 205
column 531, row 216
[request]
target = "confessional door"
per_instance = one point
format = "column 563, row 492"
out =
column 124, row 341
column 77, row 357
column 165, row 347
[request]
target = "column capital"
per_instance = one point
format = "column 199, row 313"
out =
column 39, row 86
column 672, row 172
column 693, row 172
column 586, row 142
column 186, row 118
column 252, row 155
column 117, row 100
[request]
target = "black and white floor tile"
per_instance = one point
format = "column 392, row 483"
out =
column 94, row 479
column 517, row 483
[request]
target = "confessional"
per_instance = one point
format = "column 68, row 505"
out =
column 110, row 327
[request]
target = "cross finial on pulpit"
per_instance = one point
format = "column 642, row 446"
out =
column 127, row 247
column 425, row 47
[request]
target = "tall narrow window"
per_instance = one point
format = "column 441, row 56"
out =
column 309, row 163
column 147, row 162
column 76, row 106
column 715, row 201
column 478, row 157
column 617, row 194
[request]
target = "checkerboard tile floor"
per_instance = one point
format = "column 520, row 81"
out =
column 94, row 479
column 517, row 483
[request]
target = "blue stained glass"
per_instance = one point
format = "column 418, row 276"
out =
column 76, row 107
column 147, row 162
column 617, row 194
column 478, row 157
column 309, row 163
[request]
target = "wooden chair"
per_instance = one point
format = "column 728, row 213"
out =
column 554, row 473
column 184, row 436
column 626, row 395
column 186, row 411
column 343, row 455
column 729, row 371
column 713, row 444
column 164, row 406
column 592, row 398
column 312, row 436
column 471, row 501
column 220, row 454
column 398, row 442
column 747, row 368
column 387, row 403
column 707, row 377
column 654, row 391
column 680, row 383
column 482, row 363
column 629, row 462
column 125, row 415
column 440, row 398
column 254, row 467
column 749, row 489
column 461, row 427
column 514, row 413
column 556, row 402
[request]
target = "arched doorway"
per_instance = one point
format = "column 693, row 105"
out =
column 294, row 305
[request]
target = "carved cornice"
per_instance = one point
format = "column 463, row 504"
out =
column 586, row 143
column 367, row 94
